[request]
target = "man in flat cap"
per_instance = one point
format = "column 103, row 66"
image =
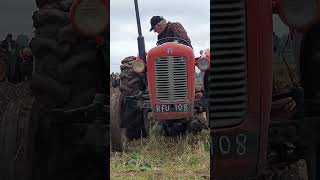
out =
column 169, row 30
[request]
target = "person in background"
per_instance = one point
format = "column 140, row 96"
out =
column 13, row 70
column 9, row 44
column 22, row 41
column 26, row 63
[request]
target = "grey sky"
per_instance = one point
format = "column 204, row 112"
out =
column 279, row 27
column 16, row 17
column 193, row 15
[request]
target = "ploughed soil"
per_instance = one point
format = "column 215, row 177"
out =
column 10, row 92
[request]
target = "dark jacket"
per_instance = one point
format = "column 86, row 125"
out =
column 5, row 45
column 174, row 29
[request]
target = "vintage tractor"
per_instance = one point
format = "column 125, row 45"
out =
column 62, row 131
column 162, row 82
column 253, row 128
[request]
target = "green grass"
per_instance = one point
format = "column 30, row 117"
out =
column 159, row 157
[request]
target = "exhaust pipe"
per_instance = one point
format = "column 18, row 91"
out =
column 141, row 44
column 141, row 47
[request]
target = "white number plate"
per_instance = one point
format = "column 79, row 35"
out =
column 183, row 107
column 234, row 145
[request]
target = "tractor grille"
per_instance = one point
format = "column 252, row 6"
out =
column 171, row 78
column 228, row 75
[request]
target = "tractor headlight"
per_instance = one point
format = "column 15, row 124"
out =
column 138, row 66
column 90, row 17
column 203, row 64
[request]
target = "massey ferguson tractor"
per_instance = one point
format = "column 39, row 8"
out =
column 161, row 81
column 254, row 129
column 62, row 131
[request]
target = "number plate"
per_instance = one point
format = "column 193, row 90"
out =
column 234, row 145
column 183, row 107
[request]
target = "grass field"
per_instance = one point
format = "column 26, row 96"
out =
column 159, row 157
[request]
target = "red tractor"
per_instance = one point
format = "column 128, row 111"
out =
column 249, row 128
column 161, row 82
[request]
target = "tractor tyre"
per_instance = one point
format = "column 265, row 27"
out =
column 198, row 123
column 68, row 71
column 118, row 134
column 130, row 82
column 130, row 85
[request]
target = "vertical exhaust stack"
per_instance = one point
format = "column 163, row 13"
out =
column 141, row 45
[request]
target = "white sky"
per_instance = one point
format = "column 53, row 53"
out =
column 193, row 15
column 16, row 17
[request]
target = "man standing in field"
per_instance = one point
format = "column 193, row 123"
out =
column 168, row 30
column 8, row 44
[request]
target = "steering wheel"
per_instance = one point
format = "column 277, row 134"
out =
column 172, row 39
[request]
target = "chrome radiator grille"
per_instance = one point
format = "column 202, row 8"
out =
column 228, row 75
column 171, row 78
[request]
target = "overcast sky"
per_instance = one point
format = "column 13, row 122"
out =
column 193, row 15
column 16, row 17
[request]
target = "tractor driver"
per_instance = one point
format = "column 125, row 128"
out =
column 169, row 29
